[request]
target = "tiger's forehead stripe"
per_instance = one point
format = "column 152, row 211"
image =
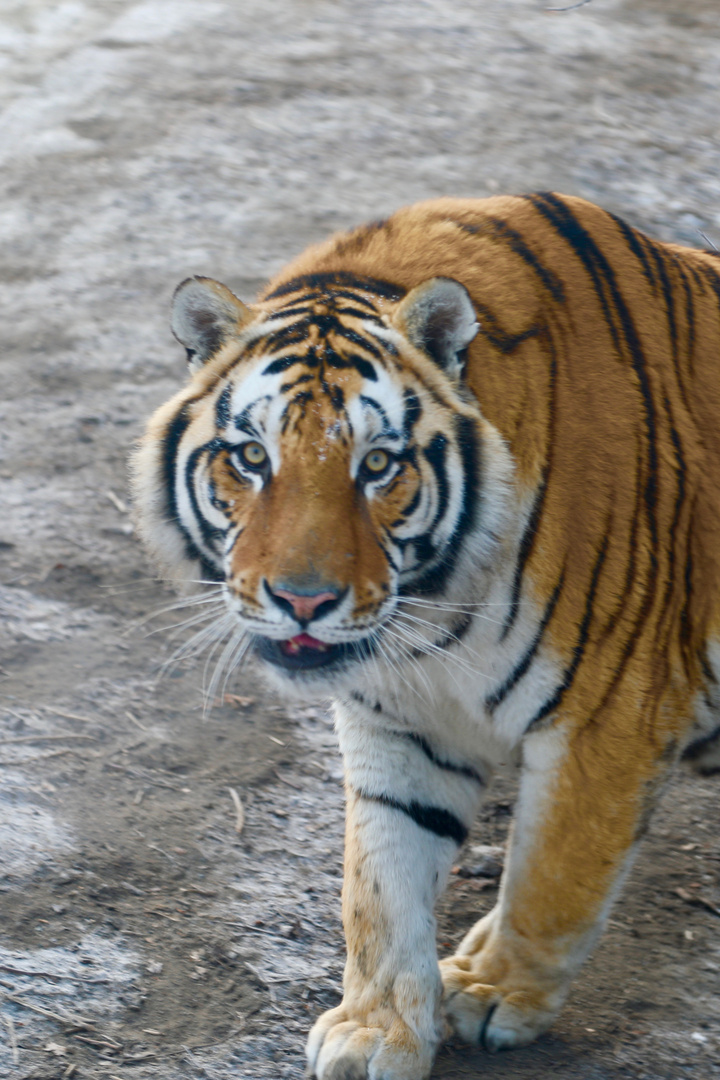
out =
column 339, row 354
column 341, row 283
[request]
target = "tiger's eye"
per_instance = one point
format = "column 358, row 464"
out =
column 376, row 461
column 253, row 454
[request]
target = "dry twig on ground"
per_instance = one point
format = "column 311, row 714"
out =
column 240, row 812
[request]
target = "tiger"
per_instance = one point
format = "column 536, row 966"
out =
column 458, row 470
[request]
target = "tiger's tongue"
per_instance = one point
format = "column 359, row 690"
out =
column 304, row 641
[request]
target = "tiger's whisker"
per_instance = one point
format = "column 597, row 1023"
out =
column 177, row 605
column 413, row 661
column 222, row 667
column 176, row 628
column 455, row 609
column 385, row 653
column 429, row 647
column 402, row 654
column 199, row 641
column 235, row 660
column 229, row 628
column 418, row 644
column 434, row 628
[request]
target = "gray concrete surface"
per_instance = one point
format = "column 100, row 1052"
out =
column 144, row 141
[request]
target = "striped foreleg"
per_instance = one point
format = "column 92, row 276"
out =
column 408, row 810
column 585, row 797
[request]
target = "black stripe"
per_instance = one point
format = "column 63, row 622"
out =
column 357, row 313
column 341, row 279
column 578, row 652
column 291, row 309
column 222, row 409
column 361, row 365
column 387, row 429
column 634, row 240
column 412, row 411
column 603, row 276
column 434, row 580
column 698, row 278
column 294, row 334
column 432, row 818
column 329, row 323
column 669, row 577
column 503, row 341
column 299, row 404
column 689, row 321
column 526, row 546
column 499, row 695
column 170, row 443
column 291, row 385
column 408, row 510
column 337, row 400
column 435, row 454
column 517, row 244
column 647, row 604
column 333, row 324
column 566, row 225
column 667, row 293
column 698, row 747
column 389, row 348
column 355, row 299
column 243, row 420
column 527, row 542
column 680, row 472
column 441, row 763
column 276, row 367
column 630, row 576
column 209, row 533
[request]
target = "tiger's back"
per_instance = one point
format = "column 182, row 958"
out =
column 567, row 457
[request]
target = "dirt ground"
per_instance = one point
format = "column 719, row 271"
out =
column 142, row 937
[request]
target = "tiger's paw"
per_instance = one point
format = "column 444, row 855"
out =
column 498, row 1013
column 344, row 1046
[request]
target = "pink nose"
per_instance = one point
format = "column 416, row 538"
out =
column 304, row 606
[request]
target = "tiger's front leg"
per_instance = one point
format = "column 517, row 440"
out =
column 408, row 810
column 585, row 797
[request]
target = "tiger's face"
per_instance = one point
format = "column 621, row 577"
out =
column 327, row 465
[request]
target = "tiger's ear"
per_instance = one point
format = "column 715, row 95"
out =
column 439, row 318
column 205, row 314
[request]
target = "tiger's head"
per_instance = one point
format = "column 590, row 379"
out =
column 326, row 463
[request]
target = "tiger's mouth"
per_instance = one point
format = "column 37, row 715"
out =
column 304, row 652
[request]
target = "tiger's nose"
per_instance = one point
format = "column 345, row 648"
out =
column 303, row 606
